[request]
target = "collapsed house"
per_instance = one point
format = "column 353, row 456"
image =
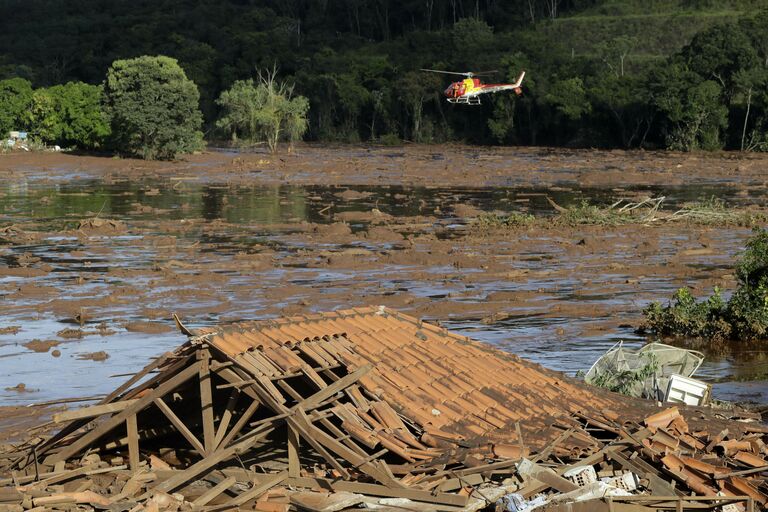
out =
column 372, row 408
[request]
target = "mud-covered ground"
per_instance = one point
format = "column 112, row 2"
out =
column 96, row 254
column 415, row 165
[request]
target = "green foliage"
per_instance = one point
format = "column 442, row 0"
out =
column 15, row 101
column 586, row 213
column 263, row 110
column 743, row 317
column 69, row 115
column 153, row 108
column 719, row 53
column 685, row 316
column 626, row 381
column 471, row 38
column 569, row 98
column 390, row 139
column 502, row 121
column 684, row 74
column 714, row 211
column 692, row 108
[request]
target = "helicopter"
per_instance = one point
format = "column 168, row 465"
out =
column 468, row 91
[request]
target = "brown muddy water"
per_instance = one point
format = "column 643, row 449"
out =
column 86, row 304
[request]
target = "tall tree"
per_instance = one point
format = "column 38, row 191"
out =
column 153, row 108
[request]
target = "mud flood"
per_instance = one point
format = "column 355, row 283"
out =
column 97, row 254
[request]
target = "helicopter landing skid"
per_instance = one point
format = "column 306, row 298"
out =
column 475, row 100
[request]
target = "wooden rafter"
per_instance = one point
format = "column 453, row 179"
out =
column 180, row 426
column 95, row 434
column 206, row 401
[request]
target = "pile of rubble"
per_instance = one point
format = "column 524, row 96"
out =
column 369, row 408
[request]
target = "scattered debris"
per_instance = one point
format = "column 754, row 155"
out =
column 94, row 356
column 372, row 408
column 70, row 333
column 148, row 327
column 647, row 372
column 20, row 388
column 99, row 226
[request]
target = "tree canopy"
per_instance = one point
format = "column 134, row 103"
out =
column 263, row 110
column 600, row 73
column 152, row 107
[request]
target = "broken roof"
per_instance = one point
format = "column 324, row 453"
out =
column 372, row 401
column 427, row 373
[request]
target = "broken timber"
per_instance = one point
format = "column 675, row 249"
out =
column 373, row 402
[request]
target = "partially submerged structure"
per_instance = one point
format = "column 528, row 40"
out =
column 654, row 371
column 364, row 406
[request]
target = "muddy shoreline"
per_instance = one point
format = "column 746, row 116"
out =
column 99, row 253
column 415, row 165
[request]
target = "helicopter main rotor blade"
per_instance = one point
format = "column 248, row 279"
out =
column 447, row 72
column 481, row 73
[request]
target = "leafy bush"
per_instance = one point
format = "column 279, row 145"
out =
column 263, row 110
column 15, row 100
column 743, row 317
column 153, row 108
column 685, row 316
column 69, row 115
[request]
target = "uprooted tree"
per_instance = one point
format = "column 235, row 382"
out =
column 263, row 110
column 743, row 317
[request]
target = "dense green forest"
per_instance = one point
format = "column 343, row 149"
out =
column 682, row 74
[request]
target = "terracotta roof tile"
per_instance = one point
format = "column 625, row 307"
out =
column 418, row 368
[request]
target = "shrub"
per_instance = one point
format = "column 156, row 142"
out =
column 15, row 100
column 153, row 108
column 744, row 317
column 69, row 115
column 263, row 110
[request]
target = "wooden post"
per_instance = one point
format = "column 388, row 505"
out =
column 133, row 442
column 226, row 417
column 206, row 401
column 294, row 463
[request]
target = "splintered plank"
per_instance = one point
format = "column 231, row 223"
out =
column 206, row 402
column 96, row 434
column 254, row 492
column 226, row 417
column 380, row 490
column 214, row 492
column 92, row 411
column 195, row 470
column 72, row 427
column 319, row 448
column 317, row 436
column 133, row 442
column 294, row 464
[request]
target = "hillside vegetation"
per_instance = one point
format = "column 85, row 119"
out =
column 683, row 74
